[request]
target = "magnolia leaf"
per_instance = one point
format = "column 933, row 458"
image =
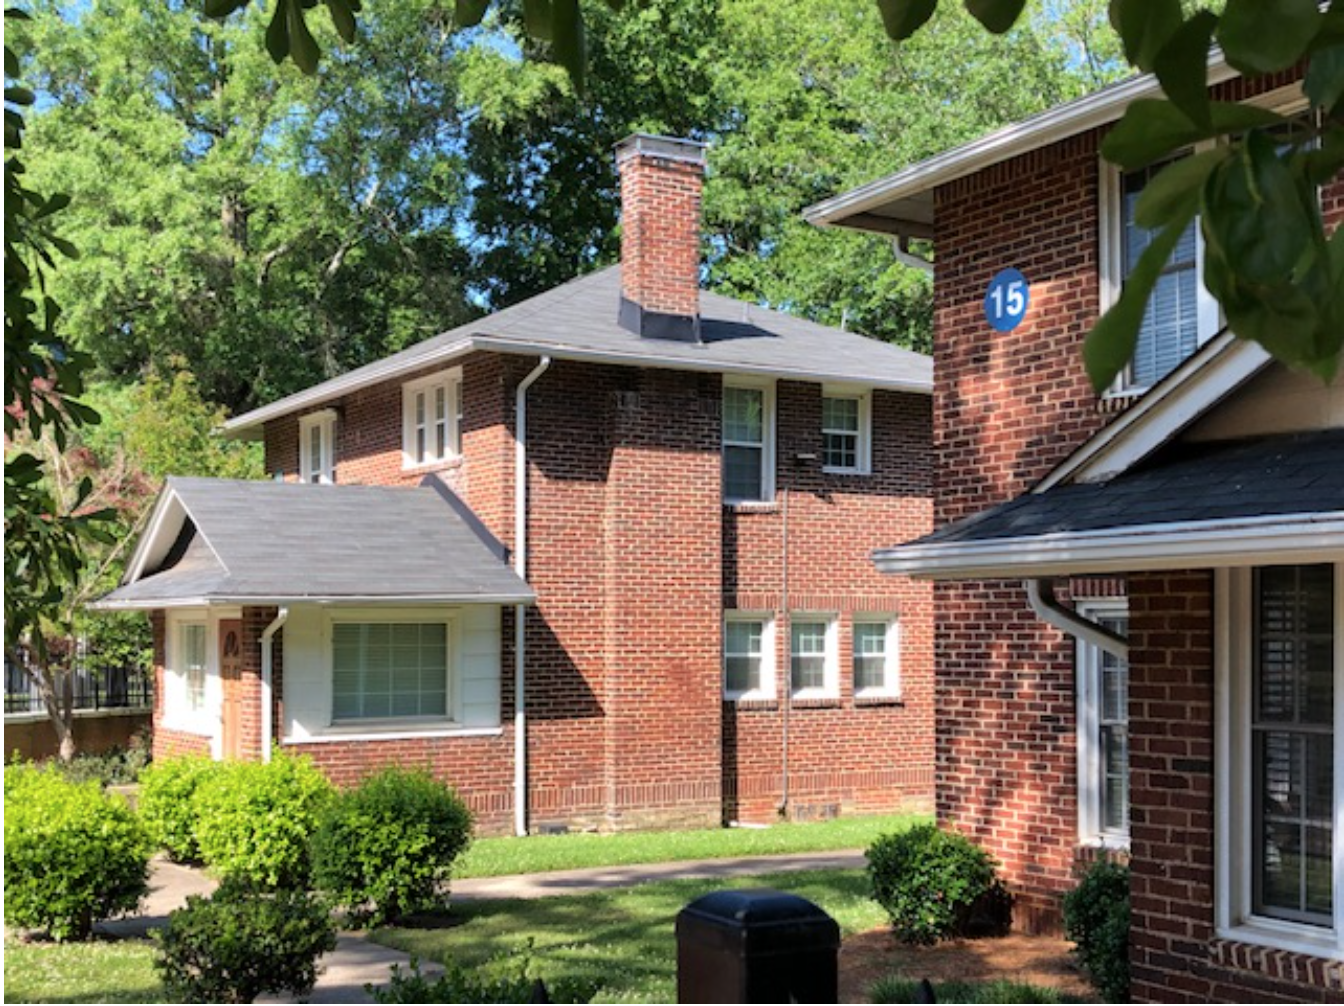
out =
column 567, row 40
column 1262, row 36
column 1110, row 344
column 19, row 95
column 537, row 19
column 303, row 47
column 1181, row 67
column 54, row 203
column 11, row 63
column 1324, row 81
column 1145, row 26
column 1170, row 190
column 65, row 247
column 996, row 15
column 277, row 35
column 220, row 9
column 902, row 18
column 1152, row 129
column 343, row 18
column 469, row 13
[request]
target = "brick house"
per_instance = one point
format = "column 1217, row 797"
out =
column 1139, row 595
column 628, row 523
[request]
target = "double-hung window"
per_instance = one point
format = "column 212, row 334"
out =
column 845, row 432
column 192, row 664
column 317, row 447
column 748, row 657
column 876, row 658
column 1103, row 731
column 1282, row 708
column 396, row 669
column 432, row 419
column 812, row 657
column 748, row 443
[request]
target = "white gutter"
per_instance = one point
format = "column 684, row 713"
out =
column 520, row 611
column 401, row 600
column 1041, row 596
column 1245, row 541
column 267, row 677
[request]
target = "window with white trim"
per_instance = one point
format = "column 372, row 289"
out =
column 877, row 658
column 813, row 660
column 1103, row 730
column 191, row 659
column 317, row 447
column 748, row 442
column 846, row 430
column 1281, row 874
column 386, row 670
column 748, row 656
column 432, row 419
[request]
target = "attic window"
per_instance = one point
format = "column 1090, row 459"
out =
column 432, row 419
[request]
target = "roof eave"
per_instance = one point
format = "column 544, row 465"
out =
column 1253, row 541
column 274, row 600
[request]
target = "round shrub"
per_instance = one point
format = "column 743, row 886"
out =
column 73, row 854
column 255, row 820
column 1096, row 918
column 241, row 942
column 932, row 883
column 166, row 807
column 386, row 847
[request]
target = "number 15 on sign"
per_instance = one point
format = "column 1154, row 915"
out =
column 1006, row 300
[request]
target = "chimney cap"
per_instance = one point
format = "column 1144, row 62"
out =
column 670, row 148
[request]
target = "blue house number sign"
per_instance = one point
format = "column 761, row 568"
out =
column 1006, row 300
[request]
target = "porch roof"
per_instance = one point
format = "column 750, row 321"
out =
column 215, row 541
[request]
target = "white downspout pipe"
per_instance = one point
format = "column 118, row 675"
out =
column 520, row 611
column 1041, row 595
column 267, row 677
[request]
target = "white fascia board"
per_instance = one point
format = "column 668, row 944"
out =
column 1253, row 541
column 1199, row 384
column 248, row 426
column 135, row 567
column 1059, row 123
column 247, row 600
column 652, row 360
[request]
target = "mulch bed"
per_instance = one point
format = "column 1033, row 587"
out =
column 1039, row 960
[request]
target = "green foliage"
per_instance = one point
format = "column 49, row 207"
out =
column 386, row 848
column 117, row 766
column 1096, row 918
column 73, row 854
column 255, row 820
column 241, row 942
column 509, row 980
column 931, row 883
column 167, row 806
column 904, row 990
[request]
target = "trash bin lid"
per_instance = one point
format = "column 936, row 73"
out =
column 758, row 920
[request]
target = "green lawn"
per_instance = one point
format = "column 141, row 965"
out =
column 495, row 857
column 902, row 990
column 623, row 938
column 102, row 971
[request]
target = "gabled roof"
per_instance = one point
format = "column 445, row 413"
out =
column 213, row 541
column 577, row 321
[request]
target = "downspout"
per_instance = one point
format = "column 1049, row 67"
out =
column 520, row 610
column 267, row 676
column 1041, row 595
column 783, row 809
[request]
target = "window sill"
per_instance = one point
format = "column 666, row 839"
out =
column 860, row 472
column 877, row 699
column 751, row 506
column 432, row 466
column 368, row 732
column 816, row 702
column 1258, row 946
column 749, row 701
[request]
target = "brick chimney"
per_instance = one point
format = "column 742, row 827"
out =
column 661, row 178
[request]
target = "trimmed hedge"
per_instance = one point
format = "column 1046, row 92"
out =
column 386, row 848
column 1096, row 918
column 165, row 804
column 74, row 855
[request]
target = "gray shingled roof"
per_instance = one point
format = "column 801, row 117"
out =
column 578, row 321
column 222, row 540
column 1188, row 483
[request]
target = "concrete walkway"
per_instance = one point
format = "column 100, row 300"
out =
column 357, row 961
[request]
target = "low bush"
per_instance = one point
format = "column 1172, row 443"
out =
column 496, row 982
column 240, row 942
column 117, row 766
column 166, row 804
column 255, row 820
column 386, row 848
column 933, row 884
column 74, row 855
column 1096, row 918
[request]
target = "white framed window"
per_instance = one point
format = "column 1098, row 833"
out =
column 877, row 657
column 1103, row 730
column 748, row 441
column 397, row 668
column 431, row 410
column 748, row 656
column 192, row 664
column 813, row 657
column 846, row 431
column 1280, row 716
column 317, row 446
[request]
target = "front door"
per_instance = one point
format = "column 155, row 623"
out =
column 231, row 677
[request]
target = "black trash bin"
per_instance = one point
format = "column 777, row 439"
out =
column 757, row 946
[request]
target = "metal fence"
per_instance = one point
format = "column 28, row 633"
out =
column 119, row 688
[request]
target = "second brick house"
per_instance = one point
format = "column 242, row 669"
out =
column 599, row 559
